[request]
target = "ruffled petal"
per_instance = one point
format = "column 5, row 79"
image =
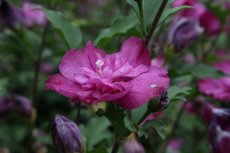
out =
column 210, row 23
column 145, row 87
column 135, row 51
column 216, row 88
column 223, row 66
column 65, row 87
column 74, row 63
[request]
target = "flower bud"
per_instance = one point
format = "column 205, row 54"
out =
column 19, row 104
column 22, row 105
column 159, row 103
column 132, row 146
column 66, row 135
column 5, row 105
column 9, row 14
column 183, row 32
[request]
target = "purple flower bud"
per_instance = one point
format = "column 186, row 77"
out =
column 183, row 32
column 5, row 105
column 132, row 146
column 19, row 104
column 66, row 135
column 23, row 106
column 9, row 14
column 159, row 103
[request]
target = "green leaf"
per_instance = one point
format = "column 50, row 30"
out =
column 120, row 26
column 135, row 7
column 3, row 84
column 201, row 70
column 131, row 126
column 70, row 33
column 171, row 12
column 95, row 131
column 99, row 150
column 117, row 119
column 178, row 94
column 157, row 125
column 136, row 114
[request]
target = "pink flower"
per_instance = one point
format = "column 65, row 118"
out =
column 206, row 18
column 33, row 15
column 126, row 78
column 223, row 66
column 216, row 88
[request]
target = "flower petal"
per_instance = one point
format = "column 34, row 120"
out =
column 135, row 51
column 216, row 88
column 73, row 62
column 145, row 87
column 65, row 87
column 210, row 23
column 223, row 66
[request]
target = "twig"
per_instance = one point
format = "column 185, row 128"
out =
column 155, row 21
column 37, row 66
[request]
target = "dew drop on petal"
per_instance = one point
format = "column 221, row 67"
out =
column 153, row 86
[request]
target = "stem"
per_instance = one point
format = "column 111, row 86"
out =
column 116, row 146
column 78, row 112
column 37, row 66
column 155, row 21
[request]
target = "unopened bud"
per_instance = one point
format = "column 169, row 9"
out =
column 22, row 105
column 159, row 103
column 184, row 32
column 66, row 135
column 9, row 14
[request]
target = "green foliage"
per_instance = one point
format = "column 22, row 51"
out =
column 168, row 13
column 3, row 86
column 157, row 125
column 95, row 131
column 176, row 94
column 70, row 33
column 201, row 70
column 120, row 26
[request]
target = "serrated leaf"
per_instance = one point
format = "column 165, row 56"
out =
column 117, row 119
column 178, row 94
column 70, row 33
column 95, row 131
column 135, row 7
column 131, row 126
column 136, row 114
column 120, row 26
column 171, row 12
column 157, row 125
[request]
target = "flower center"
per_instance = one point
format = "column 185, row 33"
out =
column 99, row 64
